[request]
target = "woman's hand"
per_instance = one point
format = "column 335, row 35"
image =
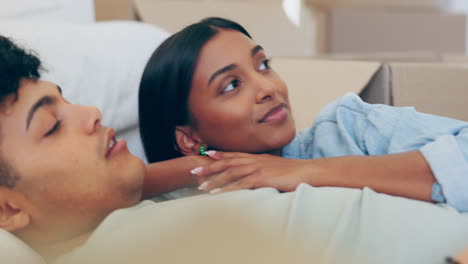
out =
column 234, row 171
column 166, row 176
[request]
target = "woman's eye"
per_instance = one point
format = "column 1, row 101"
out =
column 265, row 65
column 54, row 128
column 231, row 86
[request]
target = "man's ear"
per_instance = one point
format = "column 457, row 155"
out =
column 14, row 213
column 188, row 141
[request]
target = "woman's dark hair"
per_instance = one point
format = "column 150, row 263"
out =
column 166, row 83
column 15, row 64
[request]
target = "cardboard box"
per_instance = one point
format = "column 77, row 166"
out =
column 374, row 31
column 385, row 4
column 454, row 58
column 114, row 10
column 391, row 56
column 315, row 83
column 280, row 33
column 290, row 28
column 435, row 88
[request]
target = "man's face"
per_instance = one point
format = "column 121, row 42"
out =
column 70, row 167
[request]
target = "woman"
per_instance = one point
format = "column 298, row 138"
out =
column 215, row 89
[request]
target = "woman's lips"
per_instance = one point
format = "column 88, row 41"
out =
column 276, row 114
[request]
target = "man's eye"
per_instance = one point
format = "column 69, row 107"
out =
column 231, row 86
column 265, row 65
column 54, row 129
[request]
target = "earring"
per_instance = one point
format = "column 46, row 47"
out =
column 202, row 151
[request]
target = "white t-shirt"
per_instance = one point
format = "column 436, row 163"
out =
column 310, row 225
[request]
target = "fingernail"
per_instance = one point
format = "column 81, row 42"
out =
column 203, row 186
column 211, row 152
column 215, row 191
column 196, row 170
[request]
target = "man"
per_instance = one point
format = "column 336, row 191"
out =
column 64, row 176
column 61, row 171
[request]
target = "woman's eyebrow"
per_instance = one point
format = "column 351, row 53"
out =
column 230, row 67
column 256, row 49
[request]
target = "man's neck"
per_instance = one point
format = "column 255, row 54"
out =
column 51, row 251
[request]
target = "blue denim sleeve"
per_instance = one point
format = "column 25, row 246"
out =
column 442, row 141
column 350, row 126
column 448, row 163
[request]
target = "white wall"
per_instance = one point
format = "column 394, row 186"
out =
column 72, row 11
column 459, row 5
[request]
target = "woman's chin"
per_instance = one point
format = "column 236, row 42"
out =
column 285, row 138
column 275, row 152
column 279, row 144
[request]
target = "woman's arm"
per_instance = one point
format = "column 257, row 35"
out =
column 405, row 174
column 166, row 176
column 353, row 144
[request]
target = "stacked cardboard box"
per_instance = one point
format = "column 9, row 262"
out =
column 309, row 27
column 281, row 33
column 435, row 88
column 419, row 4
column 375, row 26
column 114, row 10
column 314, row 83
column 415, row 30
column 431, row 87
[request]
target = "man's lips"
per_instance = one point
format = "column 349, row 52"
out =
column 276, row 113
column 113, row 145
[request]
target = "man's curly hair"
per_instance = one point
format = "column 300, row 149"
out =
column 15, row 64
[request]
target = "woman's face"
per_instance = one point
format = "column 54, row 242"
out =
column 237, row 102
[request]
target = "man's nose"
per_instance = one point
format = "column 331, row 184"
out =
column 89, row 118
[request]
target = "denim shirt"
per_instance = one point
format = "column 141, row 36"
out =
column 350, row 126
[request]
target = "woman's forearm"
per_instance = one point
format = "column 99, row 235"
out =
column 405, row 174
column 166, row 176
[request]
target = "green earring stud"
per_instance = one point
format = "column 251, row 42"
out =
column 202, row 151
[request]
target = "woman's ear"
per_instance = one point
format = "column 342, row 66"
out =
column 188, row 141
column 14, row 213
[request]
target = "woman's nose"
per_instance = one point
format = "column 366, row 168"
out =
column 265, row 89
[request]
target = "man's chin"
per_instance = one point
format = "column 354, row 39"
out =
column 132, row 183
